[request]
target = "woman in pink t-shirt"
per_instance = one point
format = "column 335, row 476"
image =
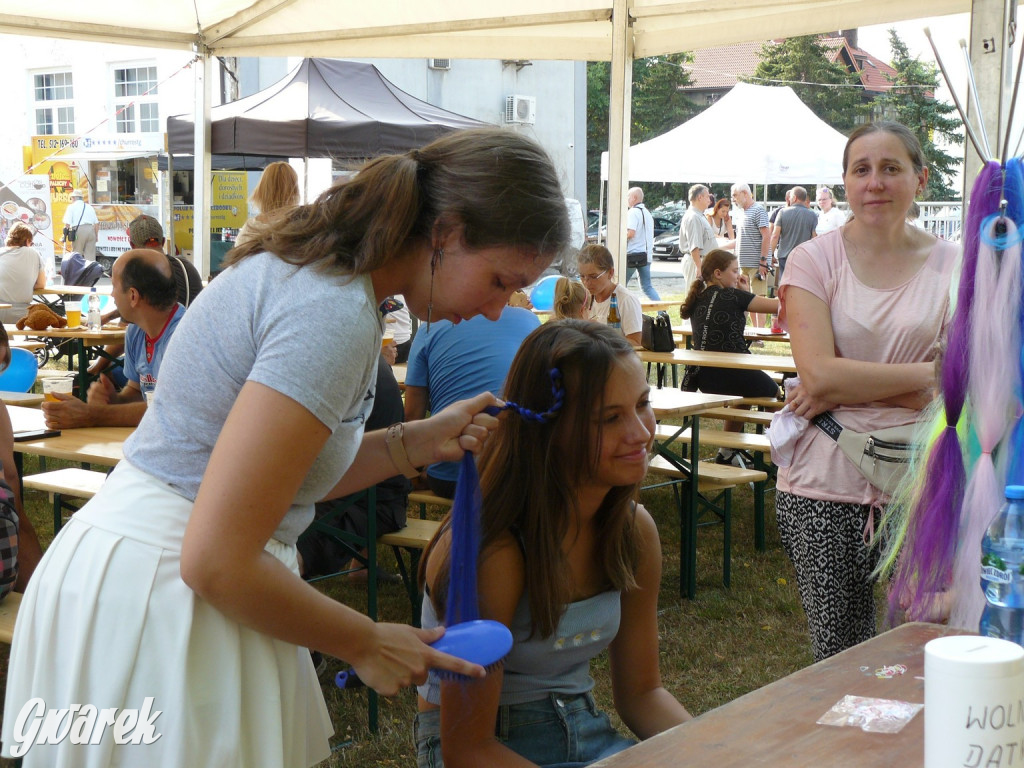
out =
column 865, row 306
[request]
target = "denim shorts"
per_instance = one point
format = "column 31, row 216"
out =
column 554, row 732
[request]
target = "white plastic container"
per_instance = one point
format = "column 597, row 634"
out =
column 973, row 703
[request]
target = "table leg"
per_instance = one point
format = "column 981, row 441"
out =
column 83, row 369
column 692, row 501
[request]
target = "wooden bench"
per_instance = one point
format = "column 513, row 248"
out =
column 8, row 615
column 413, row 538
column 61, row 484
column 428, row 498
column 714, row 484
column 761, row 419
column 719, row 438
column 756, row 444
column 764, row 403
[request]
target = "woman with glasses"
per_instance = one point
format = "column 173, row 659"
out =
column 597, row 271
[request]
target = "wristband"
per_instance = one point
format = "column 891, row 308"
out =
column 394, row 439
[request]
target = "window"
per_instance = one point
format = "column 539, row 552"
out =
column 135, row 100
column 54, row 93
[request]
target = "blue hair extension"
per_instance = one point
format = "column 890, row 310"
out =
column 462, row 604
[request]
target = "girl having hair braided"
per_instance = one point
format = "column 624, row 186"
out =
column 569, row 562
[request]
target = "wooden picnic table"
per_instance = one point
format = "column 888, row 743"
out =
column 649, row 306
column 88, row 445
column 72, row 290
column 399, row 369
column 750, row 333
column 89, row 344
column 775, row 726
column 20, row 398
column 704, row 358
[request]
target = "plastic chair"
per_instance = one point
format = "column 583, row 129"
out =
column 20, row 375
column 542, row 296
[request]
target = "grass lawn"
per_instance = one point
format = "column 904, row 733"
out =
column 715, row 648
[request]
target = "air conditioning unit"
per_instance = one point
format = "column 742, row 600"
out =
column 521, row 109
column 439, row 63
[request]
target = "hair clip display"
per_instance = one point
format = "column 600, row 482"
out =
column 938, row 518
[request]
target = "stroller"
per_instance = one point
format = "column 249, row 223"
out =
column 76, row 271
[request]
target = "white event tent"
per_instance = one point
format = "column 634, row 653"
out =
column 728, row 142
column 581, row 30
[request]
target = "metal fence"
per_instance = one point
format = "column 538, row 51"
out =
column 941, row 219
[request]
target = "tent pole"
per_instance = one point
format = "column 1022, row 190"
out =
column 600, row 208
column 202, row 191
column 168, row 206
column 620, row 97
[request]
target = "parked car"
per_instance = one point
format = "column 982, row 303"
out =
column 666, row 246
column 662, row 225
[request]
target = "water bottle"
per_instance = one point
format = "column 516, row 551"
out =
column 613, row 313
column 1002, row 557
column 94, row 320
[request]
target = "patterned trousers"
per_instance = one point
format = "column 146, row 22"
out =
column 825, row 541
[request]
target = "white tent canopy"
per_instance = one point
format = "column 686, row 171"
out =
column 579, row 30
column 732, row 141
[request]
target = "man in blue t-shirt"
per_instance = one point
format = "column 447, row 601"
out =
column 145, row 292
column 450, row 362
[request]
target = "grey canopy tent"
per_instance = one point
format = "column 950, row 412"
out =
column 322, row 108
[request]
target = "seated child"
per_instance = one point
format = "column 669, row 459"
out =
column 569, row 562
column 716, row 307
column 570, row 299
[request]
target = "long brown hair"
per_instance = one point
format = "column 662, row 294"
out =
column 500, row 186
column 278, row 188
column 530, row 471
column 716, row 258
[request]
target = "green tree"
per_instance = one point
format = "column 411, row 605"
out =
column 658, row 106
column 802, row 63
column 911, row 101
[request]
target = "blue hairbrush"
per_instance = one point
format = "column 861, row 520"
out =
column 481, row 641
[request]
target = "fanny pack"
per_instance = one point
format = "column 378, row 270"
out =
column 882, row 456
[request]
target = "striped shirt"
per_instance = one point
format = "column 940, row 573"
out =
column 749, row 249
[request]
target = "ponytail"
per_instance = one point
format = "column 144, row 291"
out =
column 714, row 260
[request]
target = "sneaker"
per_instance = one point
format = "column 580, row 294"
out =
column 721, row 458
column 756, row 343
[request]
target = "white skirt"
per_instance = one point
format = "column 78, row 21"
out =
column 107, row 621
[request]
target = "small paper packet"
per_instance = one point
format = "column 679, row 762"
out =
column 871, row 715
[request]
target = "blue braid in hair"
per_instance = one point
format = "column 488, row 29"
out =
column 557, row 393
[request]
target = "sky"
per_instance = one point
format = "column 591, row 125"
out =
column 947, row 32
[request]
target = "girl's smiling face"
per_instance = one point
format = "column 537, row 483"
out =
column 626, row 423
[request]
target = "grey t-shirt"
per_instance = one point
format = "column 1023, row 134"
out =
column 301, row 332
column 797, row 223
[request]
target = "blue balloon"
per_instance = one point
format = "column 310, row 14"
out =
column 543, row 294
column 20, row 375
